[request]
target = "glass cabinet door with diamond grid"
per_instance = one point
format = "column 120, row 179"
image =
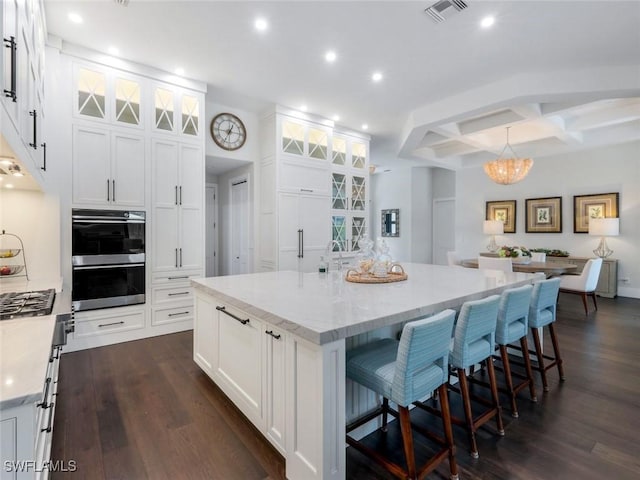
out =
column 349, row 192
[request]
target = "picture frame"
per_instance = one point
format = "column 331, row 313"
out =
column 599, row 205
column 543, row 215
column 504, row 210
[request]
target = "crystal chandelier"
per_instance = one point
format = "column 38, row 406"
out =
column 508, row 168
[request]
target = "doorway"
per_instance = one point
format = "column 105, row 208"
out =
column 239, row 225
column 211, row 230
column 444, row 234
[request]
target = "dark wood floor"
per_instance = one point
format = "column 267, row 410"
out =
column 144, row 410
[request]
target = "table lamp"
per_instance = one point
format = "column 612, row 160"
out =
column 604, row 227
column 493, row 228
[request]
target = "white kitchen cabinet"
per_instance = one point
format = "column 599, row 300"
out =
column 10, row 58
column 246, row 357
column 108, row 167
column 303, row 231
column 177, row 221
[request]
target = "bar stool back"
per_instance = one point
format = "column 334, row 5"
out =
column 405, row 372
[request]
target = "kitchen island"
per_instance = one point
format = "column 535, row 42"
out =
column 275, row 343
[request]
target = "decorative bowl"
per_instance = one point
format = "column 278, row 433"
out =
column 6, row 270
column 9, row 252
column 522, row 260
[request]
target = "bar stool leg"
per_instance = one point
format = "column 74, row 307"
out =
column 494, row 394
column 448, row 431
column 385, row 411
column 509, row 380
column 527, row 365
column 468, row 414
column 556, row 350
column 407, row 440
column 543, row 373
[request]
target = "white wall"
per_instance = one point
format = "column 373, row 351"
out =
column 421, row 215
column 602, row 170
column 35, row 217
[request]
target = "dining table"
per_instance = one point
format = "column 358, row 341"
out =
column 550, row 269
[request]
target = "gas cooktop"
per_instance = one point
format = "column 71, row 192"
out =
column 26, row 304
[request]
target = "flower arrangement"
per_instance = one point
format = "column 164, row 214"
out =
column 514, row 252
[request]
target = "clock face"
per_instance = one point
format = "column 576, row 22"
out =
column 228, row 131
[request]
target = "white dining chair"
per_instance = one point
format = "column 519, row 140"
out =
column 495, row 263
column 584, row 284
column 538, row 257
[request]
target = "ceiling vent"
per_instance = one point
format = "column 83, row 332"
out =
column 443, row 9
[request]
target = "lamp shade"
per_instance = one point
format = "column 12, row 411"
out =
column 493, row 227
column 604, row 227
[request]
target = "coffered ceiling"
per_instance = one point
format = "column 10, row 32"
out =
column 564, row 74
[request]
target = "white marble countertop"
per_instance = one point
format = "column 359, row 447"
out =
column 324, row 307
column 25, row 348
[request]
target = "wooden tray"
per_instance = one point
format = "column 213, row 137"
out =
column 357, row 277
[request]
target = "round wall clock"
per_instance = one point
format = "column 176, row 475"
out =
column 228, row 131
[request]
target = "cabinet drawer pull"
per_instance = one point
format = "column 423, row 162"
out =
column 44, row 156
column 43, row 403
column 178, row 278
column 179, row 313
column 11, row 44
column 111, row 324
column 50, row 422
column 177, row 293
column 224, row 310
column 306, row 190
column 270, row 332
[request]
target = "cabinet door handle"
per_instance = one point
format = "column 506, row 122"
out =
column 270, row 332
column 299, row 244
column 177, row 293
column 176, row 258
column 180, row 194
column 11, row 44
column 178, row 313
column 44, row 156
column 176, row 194
column 181, row 257
column 34, row 114
column 121, row 322
column 43, row 403
column 108, row 191
column 113, row 188
column 302, row 243
column 224, row 310
column 50, row 422
column 306, row 190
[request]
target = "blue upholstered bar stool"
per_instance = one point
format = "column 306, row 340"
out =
column 405, row 371
column 474, row 342
column 542, row 313
column 512, row 326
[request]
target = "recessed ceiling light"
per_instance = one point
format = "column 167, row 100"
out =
column 6, row 160
column 336, row 118
column 376, row 77
column 113, row 51
column 365, row 126
column 261, row 24
column 330, row 56
column 179, row 71
column 74, row 17
column 8, row 185
column 303, row 108
column 487, row 21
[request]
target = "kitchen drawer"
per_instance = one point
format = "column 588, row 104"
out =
column 175, row 278
column 109, row 324
column 171, row 294
column 161, row 316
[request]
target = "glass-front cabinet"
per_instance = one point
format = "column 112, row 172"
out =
column 349, row 192
column 127, row 101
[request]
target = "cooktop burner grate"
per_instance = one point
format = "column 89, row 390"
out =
column 26, row 304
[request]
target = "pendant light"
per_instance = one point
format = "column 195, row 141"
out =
column 508, row 168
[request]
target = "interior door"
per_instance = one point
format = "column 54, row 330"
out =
column 239, row 227
column 211, row 231
column 444, row 237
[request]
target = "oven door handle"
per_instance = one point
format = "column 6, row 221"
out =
column 102, row 221
column 99, row 267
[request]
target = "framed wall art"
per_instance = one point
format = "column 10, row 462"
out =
column 543, row 215
column 601, row 205
column 505, row 211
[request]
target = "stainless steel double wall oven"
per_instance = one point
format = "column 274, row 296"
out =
column 108, row 258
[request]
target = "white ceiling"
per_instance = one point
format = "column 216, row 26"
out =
column 423, row 63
